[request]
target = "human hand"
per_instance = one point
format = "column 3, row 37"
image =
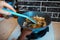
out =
column 26, row 32
column 7, row 13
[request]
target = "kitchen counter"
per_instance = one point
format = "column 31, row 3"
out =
column 8, row 25
column 56, row 27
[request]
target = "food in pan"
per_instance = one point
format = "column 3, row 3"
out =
column 40, row 22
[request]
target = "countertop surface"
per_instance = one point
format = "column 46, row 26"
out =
column 56, row 27
column 8, row 25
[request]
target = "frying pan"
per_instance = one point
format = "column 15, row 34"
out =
column 47, row 17
column 21, row 18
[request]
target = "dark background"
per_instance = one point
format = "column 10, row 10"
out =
column 51, row 7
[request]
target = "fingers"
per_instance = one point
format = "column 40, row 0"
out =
column 8, row 13
column 26, row 31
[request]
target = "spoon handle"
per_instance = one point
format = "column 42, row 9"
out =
column 18, row 14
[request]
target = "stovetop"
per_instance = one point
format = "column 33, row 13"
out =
column 49, row 35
